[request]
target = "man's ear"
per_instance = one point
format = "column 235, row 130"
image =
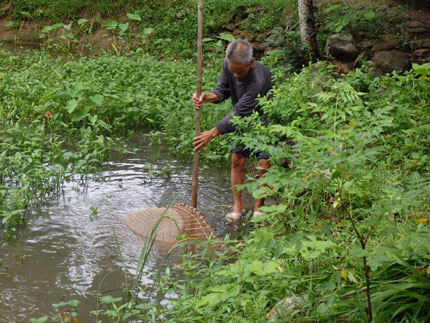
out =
column 252, row 62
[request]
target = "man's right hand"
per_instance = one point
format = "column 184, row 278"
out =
column 198, row 101
column 204, row 98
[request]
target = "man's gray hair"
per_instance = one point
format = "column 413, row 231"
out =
column 239, row 51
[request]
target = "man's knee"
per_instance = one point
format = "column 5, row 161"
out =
column 237, row 161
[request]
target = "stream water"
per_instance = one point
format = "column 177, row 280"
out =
column 69, row 252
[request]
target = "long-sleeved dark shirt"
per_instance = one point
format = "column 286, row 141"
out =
column 243, row 92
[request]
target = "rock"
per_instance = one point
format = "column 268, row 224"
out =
column 259, row 49
column 423, row 43
column 417, row 30
column 386, row 45
column 342, row 47
column 414, row 24
column 422, row 56
column 388, row 61
column 368, row 43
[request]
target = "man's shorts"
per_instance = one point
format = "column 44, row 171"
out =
column 247, row 152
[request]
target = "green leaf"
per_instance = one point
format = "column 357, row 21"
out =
column 71, row 105
column 134, row 16
column 82, row 114
column 148, row 31
column 227, row 37
column 210, row 299
column 109, row 299
column 68, row 27
column 97, row 99
column 104, row 125
column 110, row 24
column 124, row 27
column 369, row 15
column 26, row 14
column 82, row 21
column 8, row 23
column 40, row 320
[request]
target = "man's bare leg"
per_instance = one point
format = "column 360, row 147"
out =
column 237, row 165
column 263, row 165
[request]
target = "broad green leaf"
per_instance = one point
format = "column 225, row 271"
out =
column 68, row 27
column 26, row 14
column 82, row 21
column 104, row 124
column 82, row 114
column 8, row 23
column 227, row 37
column 71, row 105
column 97, row 99
column 148, row 31
column 210, row 299
column 110, row 24
column 40, row 320
column 109, row 299
column 123, row 27
column 56, row 26
column 369, row 14
column 134, row 16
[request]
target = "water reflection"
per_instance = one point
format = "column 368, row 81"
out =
column 69, row 252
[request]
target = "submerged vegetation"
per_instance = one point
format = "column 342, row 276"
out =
column 350, row 228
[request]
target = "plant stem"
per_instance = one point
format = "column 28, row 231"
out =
column 369, row 303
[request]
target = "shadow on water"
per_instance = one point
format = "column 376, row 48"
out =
column 68, row 250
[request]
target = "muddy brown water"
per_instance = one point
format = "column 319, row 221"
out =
column 67, row 253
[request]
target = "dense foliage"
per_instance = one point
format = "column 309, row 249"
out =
column 356, row 195
column 165, row 28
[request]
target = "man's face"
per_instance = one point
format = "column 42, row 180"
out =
column 238, row 70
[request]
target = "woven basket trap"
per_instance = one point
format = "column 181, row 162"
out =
column 189, row 220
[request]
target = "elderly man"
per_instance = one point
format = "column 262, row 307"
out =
column 244, row 80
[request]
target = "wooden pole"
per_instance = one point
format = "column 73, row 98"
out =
column 199, row 91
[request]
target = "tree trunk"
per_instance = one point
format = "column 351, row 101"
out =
column 307, row 27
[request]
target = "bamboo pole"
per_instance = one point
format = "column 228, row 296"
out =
column 199, row 91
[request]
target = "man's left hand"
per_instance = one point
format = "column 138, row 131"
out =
column 204, row 138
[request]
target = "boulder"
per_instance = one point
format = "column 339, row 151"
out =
column 415, row 26
column 422, row 56
column 421, row 43
column 368, row 43
column 342, row 47
column 388, row 61
column 386, row 45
